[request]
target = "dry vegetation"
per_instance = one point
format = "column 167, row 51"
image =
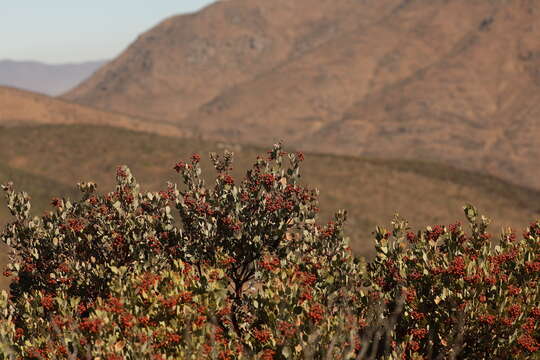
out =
column 401, row 106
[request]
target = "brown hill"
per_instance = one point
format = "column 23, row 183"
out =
column 53, row 158
column 18, row 107
column 452, row 81
column 187, row 60
column 455, row 81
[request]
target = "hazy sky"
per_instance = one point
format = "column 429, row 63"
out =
column 59, row 31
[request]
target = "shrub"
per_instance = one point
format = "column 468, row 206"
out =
column 461, row 294
column 249, row 273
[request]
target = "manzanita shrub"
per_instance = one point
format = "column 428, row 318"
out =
column 249, row 273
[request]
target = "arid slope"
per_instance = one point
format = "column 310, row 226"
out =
column 18, row 107
column 370, row 190
column 187, row 60
column 453, row 81
column 443, row 81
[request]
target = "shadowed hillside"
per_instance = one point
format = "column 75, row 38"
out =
column 370, row 190
column 42, row 189
column 453, row 81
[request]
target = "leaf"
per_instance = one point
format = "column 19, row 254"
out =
column 444, row 293
column 286, row 351
column 119, row 346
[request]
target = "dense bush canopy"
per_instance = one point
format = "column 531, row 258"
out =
column 250, row 273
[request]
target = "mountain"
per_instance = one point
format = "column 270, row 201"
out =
column 452, row 81
column 187, row 60
column 45, row 78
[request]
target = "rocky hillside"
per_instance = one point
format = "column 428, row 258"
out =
column 452, row 81
column 188, row 60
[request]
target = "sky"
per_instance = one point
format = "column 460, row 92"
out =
column 66, row 31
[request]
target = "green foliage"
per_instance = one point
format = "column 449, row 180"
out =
column 249, row 273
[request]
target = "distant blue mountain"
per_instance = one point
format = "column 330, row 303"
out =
column 45, row 78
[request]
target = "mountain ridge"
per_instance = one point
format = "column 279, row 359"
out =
column 48, row 79
column 234, row 53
